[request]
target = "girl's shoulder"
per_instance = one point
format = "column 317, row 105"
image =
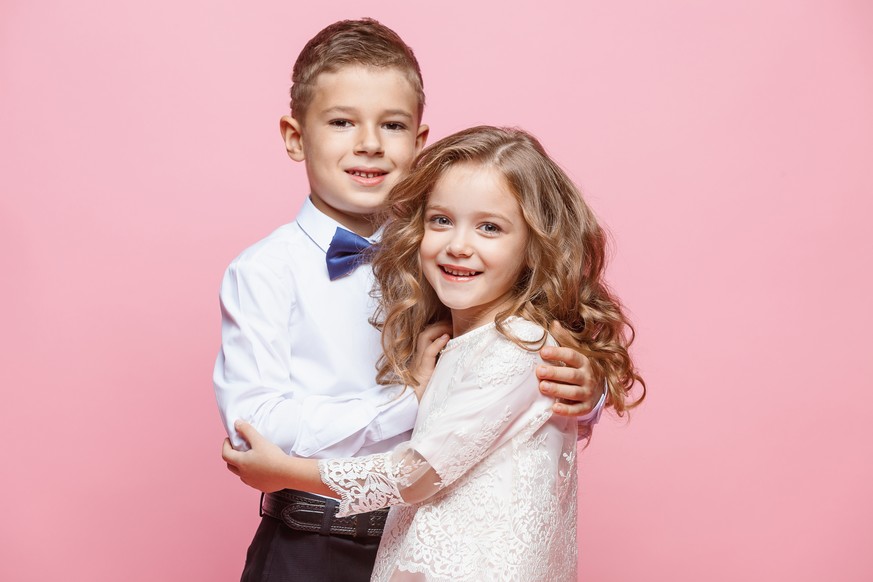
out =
column 528, row 332
column 515, row 338
column 505, row 359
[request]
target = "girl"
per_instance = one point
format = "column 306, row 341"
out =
column 488, row 232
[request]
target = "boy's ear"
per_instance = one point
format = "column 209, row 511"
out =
column 421, row 138
column 292, row 134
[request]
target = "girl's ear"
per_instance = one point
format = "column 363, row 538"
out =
column 292, row 134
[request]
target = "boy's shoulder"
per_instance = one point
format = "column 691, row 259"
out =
column 281, row 242
column 280, row 253
column 305, row 240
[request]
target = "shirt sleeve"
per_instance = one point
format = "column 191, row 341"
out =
column 493, row 401
column 253, row 370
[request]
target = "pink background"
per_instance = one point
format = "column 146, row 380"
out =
column 728, row 146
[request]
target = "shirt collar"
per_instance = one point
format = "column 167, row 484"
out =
column 320, row 228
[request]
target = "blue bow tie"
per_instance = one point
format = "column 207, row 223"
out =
column 346, row 251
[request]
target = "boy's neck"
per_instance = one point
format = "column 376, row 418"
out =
column 360, row 224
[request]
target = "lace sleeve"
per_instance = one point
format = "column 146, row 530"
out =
column 375, row 481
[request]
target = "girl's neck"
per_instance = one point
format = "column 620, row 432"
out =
column 466, row 320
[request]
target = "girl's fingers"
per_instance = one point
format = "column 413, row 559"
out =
column 433, row 332
column 247, row 432
column 436, row 345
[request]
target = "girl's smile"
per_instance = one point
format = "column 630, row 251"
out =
column 453, row 273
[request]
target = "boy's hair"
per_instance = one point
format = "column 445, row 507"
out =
column 563, row 274
column 363, row 42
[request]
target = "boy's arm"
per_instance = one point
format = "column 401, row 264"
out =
column 253, row 370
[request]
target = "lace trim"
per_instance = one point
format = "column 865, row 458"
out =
column 368, row 483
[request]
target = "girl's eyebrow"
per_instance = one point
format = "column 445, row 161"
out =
column 496, row 215
column 478, row 215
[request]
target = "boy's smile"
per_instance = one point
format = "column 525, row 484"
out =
column 474, row 244
column 358, row 137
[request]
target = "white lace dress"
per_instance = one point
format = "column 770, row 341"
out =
column 486, row 488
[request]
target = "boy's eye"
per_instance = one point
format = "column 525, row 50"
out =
column 340, row 123
column 394, row 126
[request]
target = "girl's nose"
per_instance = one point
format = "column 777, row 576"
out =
column 459, row 247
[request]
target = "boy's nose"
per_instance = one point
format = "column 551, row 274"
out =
column 370, row 142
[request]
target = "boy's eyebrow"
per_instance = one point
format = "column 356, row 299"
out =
column 352, row 110
column 399, row 113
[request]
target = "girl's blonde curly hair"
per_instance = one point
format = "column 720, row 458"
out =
column 563, row 275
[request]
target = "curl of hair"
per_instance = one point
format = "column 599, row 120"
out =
column 562, row 280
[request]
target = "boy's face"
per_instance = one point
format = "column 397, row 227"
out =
column 358, row 137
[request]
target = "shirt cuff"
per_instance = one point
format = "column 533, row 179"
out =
column 397, row 415
column 593, row 417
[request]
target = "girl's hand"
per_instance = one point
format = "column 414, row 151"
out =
column 430, row 342
column 259, row 467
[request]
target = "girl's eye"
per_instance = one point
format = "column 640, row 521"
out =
column 394, row 126
column 440, row 220
column 340, row 123
column 490, row 228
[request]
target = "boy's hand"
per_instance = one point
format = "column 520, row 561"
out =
column 430, row 342
column 570, row 379
column 259, row 466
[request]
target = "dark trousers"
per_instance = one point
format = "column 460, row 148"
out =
column 281, row 554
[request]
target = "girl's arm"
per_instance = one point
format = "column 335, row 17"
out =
column 267, row 468
column 494, row 400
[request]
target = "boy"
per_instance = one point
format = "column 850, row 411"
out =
column 298, row 354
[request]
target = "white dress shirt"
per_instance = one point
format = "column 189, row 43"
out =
column 298, row 354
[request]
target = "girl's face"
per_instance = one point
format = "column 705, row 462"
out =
column 474, row 244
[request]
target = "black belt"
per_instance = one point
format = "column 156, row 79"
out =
column 307, row 512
